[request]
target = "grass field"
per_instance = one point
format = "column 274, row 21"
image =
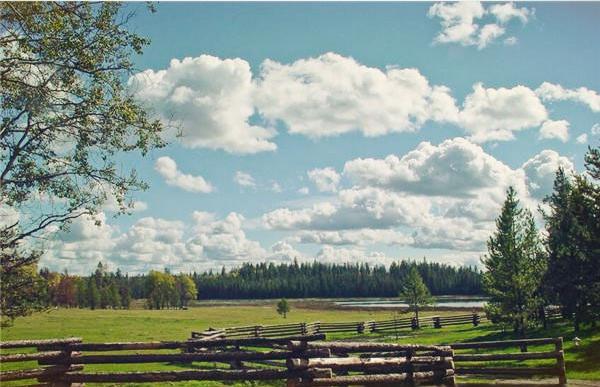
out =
column 583, row 362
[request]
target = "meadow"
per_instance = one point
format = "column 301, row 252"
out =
column 583, row 362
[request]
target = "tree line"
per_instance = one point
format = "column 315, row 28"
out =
column 527, row 271
column 315, row 279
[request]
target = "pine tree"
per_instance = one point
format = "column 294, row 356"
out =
column 415, row 292
column 283, row 308
column 515, row 266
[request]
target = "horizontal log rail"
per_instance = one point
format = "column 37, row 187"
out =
column 505, row 343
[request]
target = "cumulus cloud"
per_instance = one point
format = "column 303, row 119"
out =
column 456, row 167
column 462, row 22
column 555, row 129
column 332, row 94
column 325, row 179
column 595, row 130
column 540, row 171
column 167, row 168
column 209, row 99
column 491, row 114
column 361, row 237
column 553, row 92
column 244, row 179
column 508, row 11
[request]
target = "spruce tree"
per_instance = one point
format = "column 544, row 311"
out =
column 415, row 292
column 515, row 265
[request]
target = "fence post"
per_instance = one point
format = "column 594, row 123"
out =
column 303, row 330
column 54, row 380
column 476, row 319
column 257, row 331
column 560, row 362
column 437, row 322
column 414, row 323
column 360, row 328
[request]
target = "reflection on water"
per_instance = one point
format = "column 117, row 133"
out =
column 442, row 301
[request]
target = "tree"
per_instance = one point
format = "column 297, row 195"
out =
column 573, row 243
column 66, row 114
column 415, row 292
column 515, row 266
column 186, row 289
column 283, row 308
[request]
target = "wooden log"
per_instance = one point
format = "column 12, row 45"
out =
column 506, row 356
column 174, row 376
column 359, row 380
column 519, row 371
column 131, row 345
column 6, row 376
column 341, row 346
column 38, row 343
column 223, row 356
column 32, row 356
column 560, row 362
column 347, row 363
column 503, row 344
column 255, row 341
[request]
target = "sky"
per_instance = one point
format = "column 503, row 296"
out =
column 344, row 132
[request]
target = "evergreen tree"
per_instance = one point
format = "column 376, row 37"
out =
column 515, row 266
column 283, row 308
column 93, row 294
column 415, row 292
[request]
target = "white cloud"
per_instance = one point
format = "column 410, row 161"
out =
column 284, row 252
column 303, row 191
column 511, row 41
column 275, row 187
column 456, row 167
column 458, row 21
column 553, row 92
column 331, row 94
column 462, row 22
column 325, row 179
column 210, row 99
column 331, row 254
column 167, row 168
column 494, row 114
column 555, row 129
column 244, row 179
column 541, row 169
column 360, row 237
column 595, row 130
column 582, row 138
column 507, row 11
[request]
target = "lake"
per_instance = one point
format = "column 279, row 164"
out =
column 449, row 302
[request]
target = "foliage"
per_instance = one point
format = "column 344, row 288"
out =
column 66, row 115
column 573, row 243
column 515, row 266
column 415, row 292
column 283, row 308
column 332, row 280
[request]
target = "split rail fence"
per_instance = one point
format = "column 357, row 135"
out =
column 292, row 359
column 360, row 327
column 304, row 360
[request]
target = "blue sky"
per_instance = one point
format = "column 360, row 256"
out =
column 412, row 117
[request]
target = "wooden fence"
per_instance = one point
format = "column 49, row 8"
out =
column 470, row 361
column 295, row 359
column 360, row 327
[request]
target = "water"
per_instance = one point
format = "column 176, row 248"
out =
column 448, row 302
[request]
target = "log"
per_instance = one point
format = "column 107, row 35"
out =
column 38, row 343
column 32, row 356
column 347, row 363
column 506, row 356
column 223, row 356
column 33, row 373
column 503, row 344
column 174, row 376
column 339, row 346
column 358, row 380
column 523, row 371
column 130, row 345
column 254, row 341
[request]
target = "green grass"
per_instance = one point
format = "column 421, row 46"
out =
column 582, row 362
